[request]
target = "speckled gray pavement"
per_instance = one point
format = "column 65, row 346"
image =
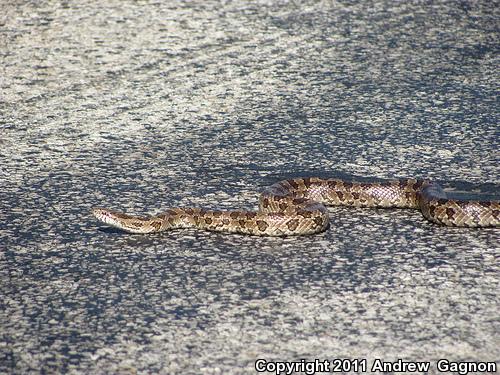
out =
column 143, row 105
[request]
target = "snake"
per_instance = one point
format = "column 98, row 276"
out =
column 297, row 206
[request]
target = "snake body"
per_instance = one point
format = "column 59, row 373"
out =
column 297, row 207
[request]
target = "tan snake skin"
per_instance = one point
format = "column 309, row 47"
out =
column 297, row 207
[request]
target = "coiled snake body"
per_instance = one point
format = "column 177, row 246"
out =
column 297, row 207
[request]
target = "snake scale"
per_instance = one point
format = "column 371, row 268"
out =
column 297, row 207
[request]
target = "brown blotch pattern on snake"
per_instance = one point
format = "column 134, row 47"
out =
column 297, row 207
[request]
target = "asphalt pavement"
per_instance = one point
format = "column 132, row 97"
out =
column 144, row 105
